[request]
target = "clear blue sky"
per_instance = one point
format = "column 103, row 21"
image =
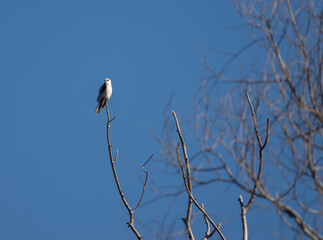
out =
column 55, row 179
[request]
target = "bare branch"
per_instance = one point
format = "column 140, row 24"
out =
column 207, row 233
column 189, row 190
column 144, row 185
column 187, row 220
column 112, row 162
column 261, row 148
column 244, row 209
column 243, row 218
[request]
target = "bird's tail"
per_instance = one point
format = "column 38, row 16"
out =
column 100, row 106
column 98, row 109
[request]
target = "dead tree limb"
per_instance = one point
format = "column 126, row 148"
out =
column 187, row 220
column 244, row 209
column 186, row 179
column 112, row 162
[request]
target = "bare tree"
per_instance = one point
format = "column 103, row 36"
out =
column 286, row 85
column 185, row 171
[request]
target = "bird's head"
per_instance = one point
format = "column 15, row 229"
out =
column 107, row 80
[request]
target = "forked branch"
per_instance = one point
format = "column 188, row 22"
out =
column 112, row 162
column 245, row 208
column 187, row 181
column 187, row 220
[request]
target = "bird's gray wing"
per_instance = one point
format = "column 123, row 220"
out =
column 101, row 90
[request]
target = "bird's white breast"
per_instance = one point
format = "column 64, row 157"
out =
column 108, row 90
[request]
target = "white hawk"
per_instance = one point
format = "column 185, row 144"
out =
column 104, row 94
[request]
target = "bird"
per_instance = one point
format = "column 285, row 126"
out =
column 104, row 94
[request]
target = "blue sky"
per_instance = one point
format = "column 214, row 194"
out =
column 55, row 179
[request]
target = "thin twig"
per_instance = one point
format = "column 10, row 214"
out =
column 254, row 119
column 207, row 233
column 144, row 185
